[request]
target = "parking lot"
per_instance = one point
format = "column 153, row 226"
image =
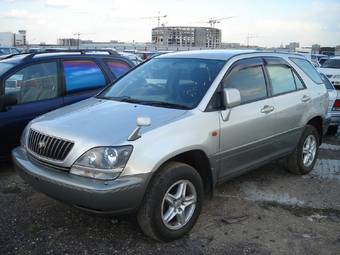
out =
column 267, row 211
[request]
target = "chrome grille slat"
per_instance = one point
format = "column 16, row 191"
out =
column 48, row 147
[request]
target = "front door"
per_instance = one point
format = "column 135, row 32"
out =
column 247, row 131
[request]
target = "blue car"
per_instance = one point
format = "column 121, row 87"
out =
column 33, row 84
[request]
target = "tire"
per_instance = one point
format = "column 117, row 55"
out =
column 154, row 207
column 295, row 162
column 332, row 130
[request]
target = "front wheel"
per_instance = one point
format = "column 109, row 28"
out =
column 303, row 159
column 172, row 203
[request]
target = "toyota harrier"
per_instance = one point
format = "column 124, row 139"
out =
column 169, row 131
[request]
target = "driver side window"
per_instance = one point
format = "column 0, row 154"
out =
column 249, row 81
column 34, row 83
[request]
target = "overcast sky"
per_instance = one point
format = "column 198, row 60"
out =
column 269, row 22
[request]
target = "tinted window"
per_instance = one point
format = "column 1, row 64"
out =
column 34, row 83
column 5, row 51
column 249, row 81
column 308, row 69
column 180, row 83
column 82, row 75
column 118, row 68
column 4, row 67
column 327, row 83
column 282, row 80
column 298, row 82
column 331, row 63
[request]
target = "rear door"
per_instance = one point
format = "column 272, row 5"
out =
column 37, row 89
column 292, row 100
column 82, row 78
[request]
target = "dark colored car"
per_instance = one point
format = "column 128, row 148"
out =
column 33, row 84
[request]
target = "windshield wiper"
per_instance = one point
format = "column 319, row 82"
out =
column 166, row 104
column 129, row 99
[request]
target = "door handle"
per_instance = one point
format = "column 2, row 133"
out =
column 267, row 109
column 305, row 99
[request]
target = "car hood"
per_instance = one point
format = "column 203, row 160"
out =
column 98, row 122
column 326, row 71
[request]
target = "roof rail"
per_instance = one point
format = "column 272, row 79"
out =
column 11, row 55
column 81, row 51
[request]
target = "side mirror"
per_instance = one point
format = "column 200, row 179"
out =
column 231, row 97
column 10, row 100
column 143, row 121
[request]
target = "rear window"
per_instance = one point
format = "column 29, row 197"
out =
column 308, row 69
column 331, row 63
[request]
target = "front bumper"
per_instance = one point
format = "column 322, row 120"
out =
column 122, row 195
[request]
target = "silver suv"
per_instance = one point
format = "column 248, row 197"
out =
column 171, row 129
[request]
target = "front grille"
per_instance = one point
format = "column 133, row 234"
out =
column 48, row 146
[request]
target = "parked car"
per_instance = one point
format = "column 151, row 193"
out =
column 33, row 84
column 134, row 58
column 333, row 107
column 173, row 128
column 331, row 68
column 315, row 59
column 6, row 51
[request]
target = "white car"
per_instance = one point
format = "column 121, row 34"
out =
column 331, row 68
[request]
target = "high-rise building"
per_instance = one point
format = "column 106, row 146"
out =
column 182, row 36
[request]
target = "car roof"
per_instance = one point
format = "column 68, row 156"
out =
column 220, row 54
column 336, row 57
column 25, row 57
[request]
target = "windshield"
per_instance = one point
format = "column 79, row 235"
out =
column 331, row 63
column 4, row 67
column 166, row 82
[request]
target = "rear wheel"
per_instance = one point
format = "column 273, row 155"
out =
column 303, row 159
column 172, row 203
column 332, row 130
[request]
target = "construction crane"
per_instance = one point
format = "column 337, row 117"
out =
column 249, row 36
column 213, row 21
column 158, row 17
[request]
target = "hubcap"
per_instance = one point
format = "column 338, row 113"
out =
column 309, row 150
column 178, row 204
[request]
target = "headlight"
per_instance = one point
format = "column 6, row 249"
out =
column 105, row 163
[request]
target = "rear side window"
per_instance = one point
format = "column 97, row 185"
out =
column 327, row 83
column 118, row 68
column 249, row 81
column 282, row 80
column 34, row 83
column 308, row 69
column 82, row 75
column 298, row 82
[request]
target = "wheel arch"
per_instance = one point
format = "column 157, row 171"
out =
column 317, row 122
column 197, row 159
